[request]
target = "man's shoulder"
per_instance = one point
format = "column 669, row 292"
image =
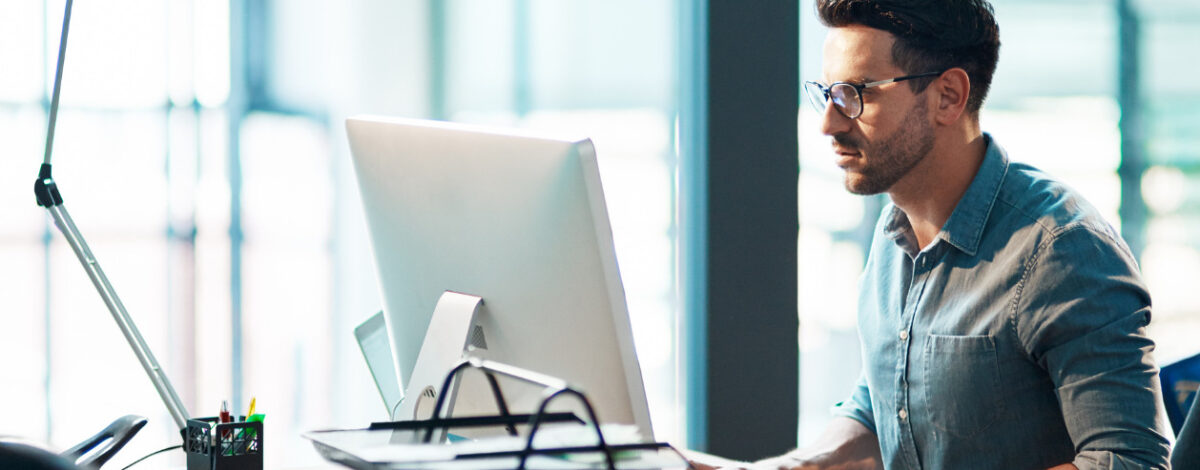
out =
column 1034, row 199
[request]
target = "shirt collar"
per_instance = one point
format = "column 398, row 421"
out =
column 965, row 226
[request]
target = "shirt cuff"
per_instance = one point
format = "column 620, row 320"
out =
column 1108, row 460
column 849, row 410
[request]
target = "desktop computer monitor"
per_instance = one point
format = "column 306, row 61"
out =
column 518, row 220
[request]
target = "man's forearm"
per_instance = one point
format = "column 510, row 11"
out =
column 845, row 445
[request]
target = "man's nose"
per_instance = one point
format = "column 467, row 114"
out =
column 833, row 121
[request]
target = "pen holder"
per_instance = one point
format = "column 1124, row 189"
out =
column 212, row 445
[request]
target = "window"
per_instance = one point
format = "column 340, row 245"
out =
column 126, row 158
column 200, row 151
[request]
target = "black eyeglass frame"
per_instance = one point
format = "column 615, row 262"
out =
column 826, row 91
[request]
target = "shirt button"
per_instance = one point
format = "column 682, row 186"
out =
column 903, row 414
column 903, row 335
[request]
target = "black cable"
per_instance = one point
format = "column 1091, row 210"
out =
column 152, row 454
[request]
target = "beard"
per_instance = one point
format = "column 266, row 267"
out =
column 893, row 157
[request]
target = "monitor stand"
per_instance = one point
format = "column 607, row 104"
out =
column 449, row 335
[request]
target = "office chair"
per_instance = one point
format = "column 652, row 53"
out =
column 106, row 443
column 1186, row 453
column 98, row 449
column 1180, row 381
column 26, row 457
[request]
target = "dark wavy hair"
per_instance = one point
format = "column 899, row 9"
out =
column 931, row 36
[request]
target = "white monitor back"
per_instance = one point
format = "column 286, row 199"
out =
column 516, row 219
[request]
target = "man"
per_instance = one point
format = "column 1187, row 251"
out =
column 1002, row 319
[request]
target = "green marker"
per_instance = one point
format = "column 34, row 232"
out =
column 250, row 433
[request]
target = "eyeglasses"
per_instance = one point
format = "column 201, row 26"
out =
column 847, row 97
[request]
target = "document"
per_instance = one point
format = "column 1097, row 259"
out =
column 376, row 448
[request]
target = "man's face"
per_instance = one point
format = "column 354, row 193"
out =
column 894, row 132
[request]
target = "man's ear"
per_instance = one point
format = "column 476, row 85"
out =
column 950, row 91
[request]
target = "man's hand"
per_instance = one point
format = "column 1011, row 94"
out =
column 845, row 445
column 699, row 466
column 703, row 461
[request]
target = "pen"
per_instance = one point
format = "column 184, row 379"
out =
column 251, row 411
column 224, row 416
column 246, row 419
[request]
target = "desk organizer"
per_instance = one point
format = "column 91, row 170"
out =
column 554, row 389
column 212, row 445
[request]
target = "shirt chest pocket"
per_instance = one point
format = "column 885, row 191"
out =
column 963, row 392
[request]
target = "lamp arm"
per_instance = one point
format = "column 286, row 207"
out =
column 49, row 197
column 161, row 383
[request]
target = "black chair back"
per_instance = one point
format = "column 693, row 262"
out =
column 1186, row 454
column 14, row 455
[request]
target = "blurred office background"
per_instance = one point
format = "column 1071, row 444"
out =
column 201, row 151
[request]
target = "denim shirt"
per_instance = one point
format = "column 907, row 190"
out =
column 1015, row 340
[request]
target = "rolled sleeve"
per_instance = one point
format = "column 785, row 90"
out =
column 1083, row 318
column 858, row 406
column 1102, row 459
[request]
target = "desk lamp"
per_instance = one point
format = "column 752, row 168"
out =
column 49, row 197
